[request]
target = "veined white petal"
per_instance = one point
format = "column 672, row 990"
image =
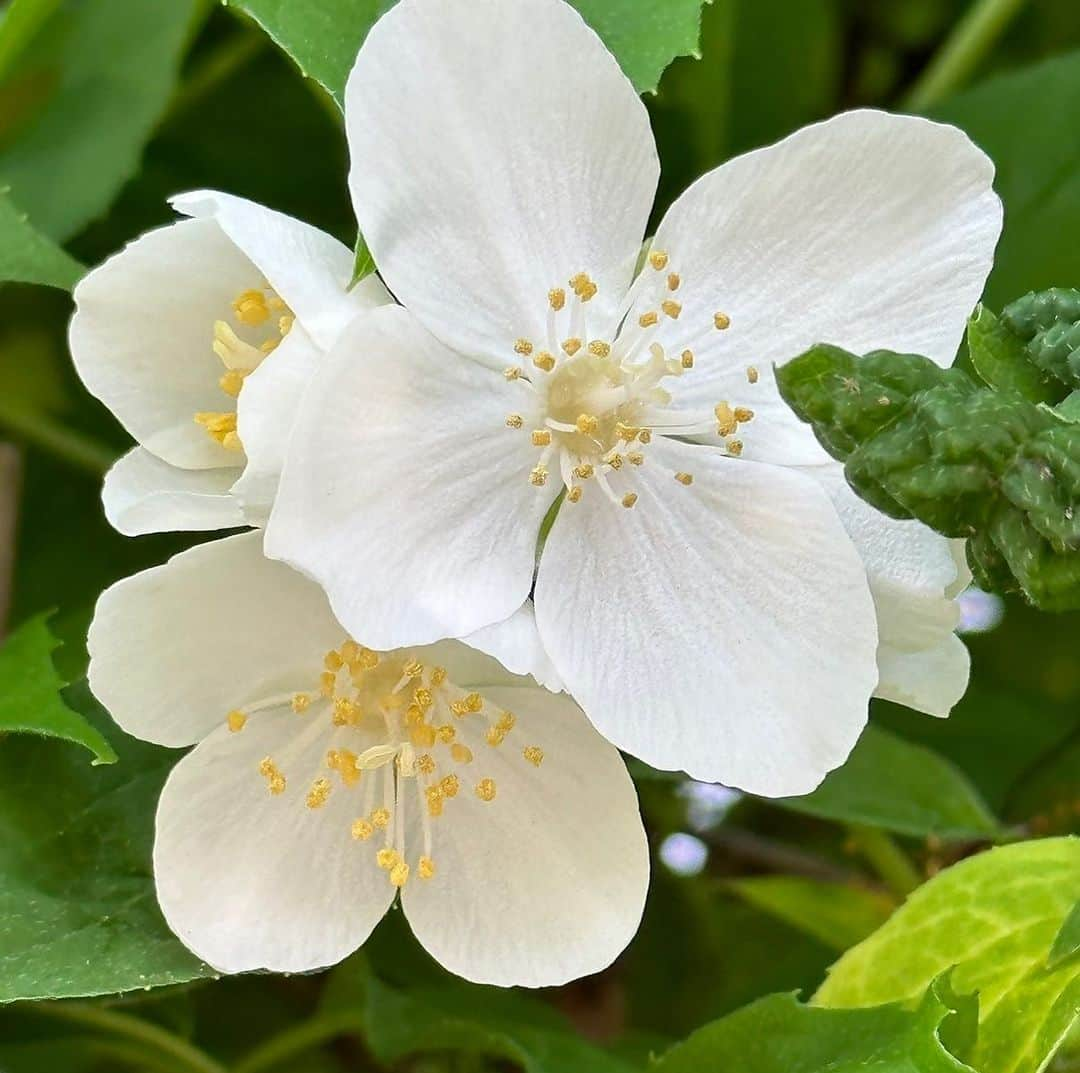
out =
column 725, row 628
column 142, row 494
column 405, row 494
column 869, row 231
column 516, row 154
column 142, row 334
column 516, row 644
column 308, row 268
column 175, row 648
column 249, row 879
column 525, row 893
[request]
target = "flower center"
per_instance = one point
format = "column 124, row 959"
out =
column 399, row 728
column 602, row 398
column 263, row 320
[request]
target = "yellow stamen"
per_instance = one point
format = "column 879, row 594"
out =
column 541, row 437
column 647, row 320
column 462, row 754
column 599, row 349
column 318, row 794
column 513, row 372
column 236, row 720
column 386, row 858
column 301, row 702
column 538, row 476
column 687, row 359
column 380, row 818
column 399, row 874
column 671, row 308
column 635, row 458
column 587, row 424
column 629, row 499
column 485, row 789
column 725, row 419
column 556, row 298
column 742, row 414
column 449, row 785
column 250, row 308
column 658, row 259
column 544, row 361
column 645, row 436
column 514, row 420
column 735, row 447
column 752, row 374
column 232, row 381
column 495, row 736
column 571, row 346
column 425, row 764
column 523, row 347
column 425, row 868
column 574, row 494
column 684, row 478
column 584, row 471
column 534, row 754
column 721, row 321
column 673, row 281
column 272, row 773
column 362, row 830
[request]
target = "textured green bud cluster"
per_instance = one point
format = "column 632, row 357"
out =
column 1048, row 322
column 992, row 466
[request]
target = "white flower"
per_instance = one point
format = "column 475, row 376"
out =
column 329, row 778
column 200, row 337
column 697, row 592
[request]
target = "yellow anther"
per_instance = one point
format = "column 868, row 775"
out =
column 645, row 436
column 721, row 321
column 658, row 259
column 584, row 471
column 513, row 372
column 250, row 308
column 635, row 458
column 367, row 659
column 425, row 868
column 347, row 768
column 285, row 323
column 523, row 346
column 485, row 789
column 506, row 722
column 629, row 499
column 349, row 651
column 647, row 320
column 684, row 478
column 438, row 676
column 327, row 682
column 219, row 426
column 725, row 419
column 556, row 298
column 422, row 735
column 514, row 420
column 599, row 349
column 462, row 754
column 332, row 661
column 458, row 708
column 495, row 736
column 232, row 381
column 671, row 308
column 272, row 773
column 534, row 754
column 614, row 459
column 344, row 712
column 399, row 874
column 474, row 702
column 752, row 374
column 413, row 669
column 743, row 414
column 236, row 720
column 423, row 698
column 626, row 432
column 571, row 346
column 434, row 793
column 449, row 785
column 583, row 286
column 425, row 764
column 587, row 424
column 268, row 346
column 574, row 494
column 541, row 437
column 446, row 734
column 319, row 792
column 673, row 281
column 386, row 858
column 687, row 359
column 538, row 476
column 231, row 442
column 735, row 447
column 362, row 830
column 301, row 702
column 380, row 818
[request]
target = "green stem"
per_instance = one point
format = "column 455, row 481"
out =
column 188, row 1057
column 971, row 39
column 890, row 862
column 42, row 431
column 297, row 1040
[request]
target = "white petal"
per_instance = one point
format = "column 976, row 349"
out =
column 516, row 644
column 265, row 412
column 931, row 679
column 404, row 494
column 725, row 628
column 141, row 337
column 546, row 882
column 173, row 649
column 142, row 494
column 250, row 880
column 514, row 155
column 308, row 268
column 869, row 231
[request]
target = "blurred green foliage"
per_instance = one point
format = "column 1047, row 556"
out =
column 109, row 106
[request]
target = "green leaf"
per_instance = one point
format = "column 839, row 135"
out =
column 1000, row 359
column 780, row 1035
column 1067, row 942
column 27, row 256
column 19, row 23
column 78, row 915
column 30, row 701
column 363, row 262
column 323, row 36
column 904, row 788
column 455, row 1016
column 1025, row 121
column 995, row 917
column 839, row 915
column 93, row 86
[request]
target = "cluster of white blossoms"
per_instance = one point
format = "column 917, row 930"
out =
column 543, row 504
